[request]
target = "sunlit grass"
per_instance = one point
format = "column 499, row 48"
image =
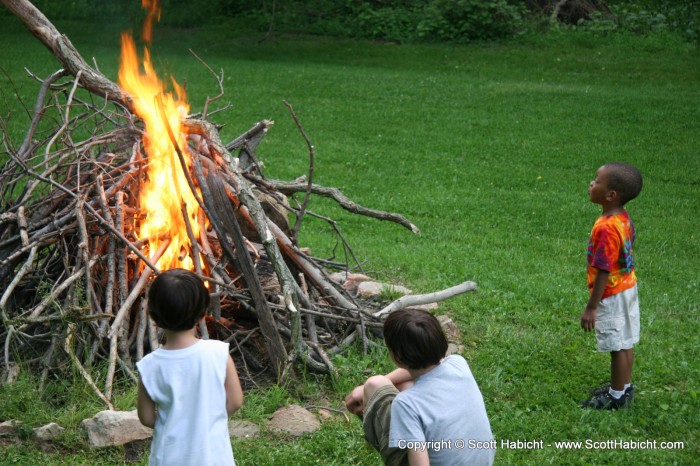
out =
column 489, row 150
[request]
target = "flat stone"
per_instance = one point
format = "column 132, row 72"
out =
column 112, row 428
column 294, row 420
column 370, row 289
column 243, row 429
column 48, row 432
column 454, row 336
column 9, row 427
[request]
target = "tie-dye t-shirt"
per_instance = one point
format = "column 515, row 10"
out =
column 610, row 249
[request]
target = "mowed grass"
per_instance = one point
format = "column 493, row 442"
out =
column 489, row 149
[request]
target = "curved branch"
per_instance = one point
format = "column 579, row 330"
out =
column 289, row 188
column 414, row 300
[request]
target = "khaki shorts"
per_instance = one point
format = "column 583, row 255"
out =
column 376, row 421
column 617, row 321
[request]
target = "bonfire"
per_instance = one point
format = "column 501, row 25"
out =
column 111, row 186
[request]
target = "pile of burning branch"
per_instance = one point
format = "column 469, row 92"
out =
column 76, row 256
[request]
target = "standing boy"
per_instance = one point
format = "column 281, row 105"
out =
column 189, row 387
column 429, row 411
column 613, row 306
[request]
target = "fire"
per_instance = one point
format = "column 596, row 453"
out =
column 165, row 190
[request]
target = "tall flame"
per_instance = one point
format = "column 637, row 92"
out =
column 165, row 190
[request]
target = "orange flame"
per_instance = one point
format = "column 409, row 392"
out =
column 165, row 190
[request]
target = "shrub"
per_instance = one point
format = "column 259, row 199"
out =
column 467, row 20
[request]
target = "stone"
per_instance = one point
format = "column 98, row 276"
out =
column 349, row 281
column 369, row 289
column 48, row 432
column 424, row 307
column 243, row 430
column 294, row 420
column 9, row 427
column 112, row 428
column 454, row 336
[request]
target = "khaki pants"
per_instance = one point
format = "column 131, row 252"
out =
column 376, row 421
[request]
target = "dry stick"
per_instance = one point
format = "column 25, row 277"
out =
column 97, row 216
column 326, row 360
column 86, row 375
column 274, row 342
column 292, row 187
column 257, row 131
column 363, row 333
column 46, row 360
column 58, row 290
column 312, row 272
column 39, row 109
column 15, row 281
column 219, row 80
column 54, row 318
column 136, row 290
column 111, row 263
column 116, row 323
column 214, row 267
column 141, row 333
column 414, row 300
column 83, row 245
column 22, row 224
column 309, row 184
column 66, row 119
column 197, row 264
column 245, row 265
column 8, row 340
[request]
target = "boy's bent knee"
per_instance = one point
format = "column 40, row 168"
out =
column 374, row 383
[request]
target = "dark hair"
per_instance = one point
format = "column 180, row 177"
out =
column 625, row 179
column 415, row 338
column 177, row 299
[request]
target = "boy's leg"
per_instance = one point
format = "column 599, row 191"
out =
column 617, row 327
column 630, row 364
column 379, row 394
column 619, row 369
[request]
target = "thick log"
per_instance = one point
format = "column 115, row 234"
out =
column 275, row 347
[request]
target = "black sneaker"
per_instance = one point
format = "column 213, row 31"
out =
column 629, row 392
column 606, row 401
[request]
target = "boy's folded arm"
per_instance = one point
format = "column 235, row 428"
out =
column 399, row 376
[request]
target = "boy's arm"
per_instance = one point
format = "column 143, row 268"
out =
column 145, row 407
column 588, row 316
column 232, row 385
column 399, row 377
column 353, row 401
column 418, row 458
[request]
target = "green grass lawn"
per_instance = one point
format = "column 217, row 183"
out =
column 489, row 149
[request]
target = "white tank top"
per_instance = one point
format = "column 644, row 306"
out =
column 187, row 386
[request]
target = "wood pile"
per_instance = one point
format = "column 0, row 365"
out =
column 73, row 269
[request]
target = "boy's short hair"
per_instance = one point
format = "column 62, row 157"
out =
column 625, row 179
column 415, row 338
column 177, row 299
